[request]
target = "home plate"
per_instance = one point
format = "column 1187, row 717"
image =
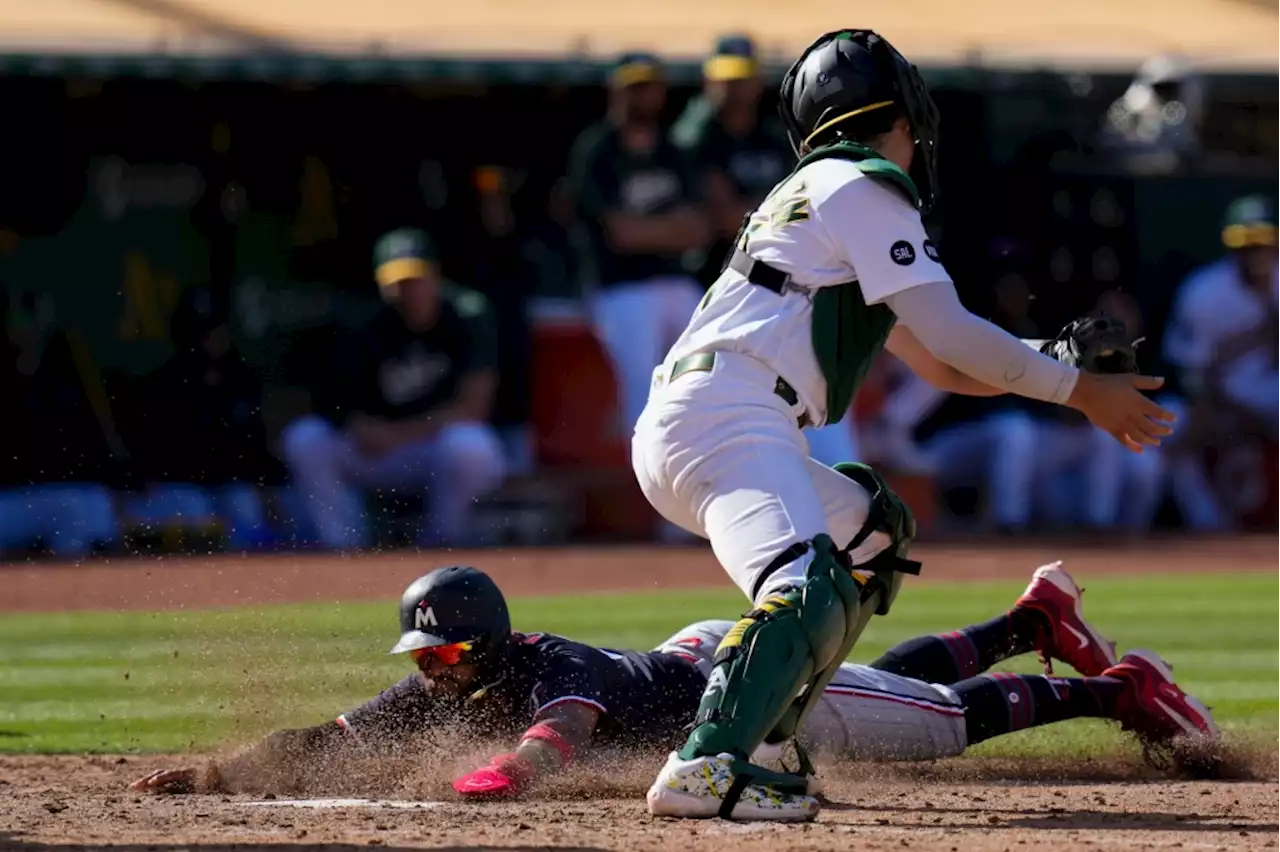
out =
column 344, row 803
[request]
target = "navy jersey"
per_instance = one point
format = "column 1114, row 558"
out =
column 644, row 699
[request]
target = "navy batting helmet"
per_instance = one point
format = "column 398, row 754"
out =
column 452, row 605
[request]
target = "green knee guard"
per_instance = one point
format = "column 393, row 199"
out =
column 772, row 654
column 886, row 513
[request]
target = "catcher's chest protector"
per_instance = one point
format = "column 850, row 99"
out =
column 847, row 332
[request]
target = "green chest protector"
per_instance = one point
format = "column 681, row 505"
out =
column 847, row 332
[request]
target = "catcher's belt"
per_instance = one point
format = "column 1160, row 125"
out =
column 704, row 361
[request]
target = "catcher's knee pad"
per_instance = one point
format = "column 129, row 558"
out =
column 774, row 653
column 886, row 513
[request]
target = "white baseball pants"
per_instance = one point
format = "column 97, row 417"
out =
column 636, row 323
column 864, row 713
column 719, row 454
column 452, row 469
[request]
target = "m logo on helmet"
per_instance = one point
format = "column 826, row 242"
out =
column 425, row 617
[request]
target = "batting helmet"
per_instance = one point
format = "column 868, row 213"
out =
column 451, row 605
column 846, row 75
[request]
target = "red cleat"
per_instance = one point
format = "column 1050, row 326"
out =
column 1153, row 705
column 1070, row 638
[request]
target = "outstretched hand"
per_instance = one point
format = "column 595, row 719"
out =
column 1115, row 403
column 505, row 777
column 170, row 781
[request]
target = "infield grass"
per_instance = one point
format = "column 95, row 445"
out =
column 195, row 680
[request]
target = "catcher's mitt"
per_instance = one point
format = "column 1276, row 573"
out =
column 1097, row 343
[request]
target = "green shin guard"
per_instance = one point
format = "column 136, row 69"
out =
column 773, row 666
column 880, row 578
column 772, row 654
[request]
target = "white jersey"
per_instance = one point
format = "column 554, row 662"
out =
column 827, row 224
column 1212, row 307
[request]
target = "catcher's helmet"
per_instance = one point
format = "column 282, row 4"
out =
column 454, row 604
column 849, row 73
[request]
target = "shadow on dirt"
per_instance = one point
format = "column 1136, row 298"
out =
column 9, row 841
column 1062, row 819
column 1235, row 759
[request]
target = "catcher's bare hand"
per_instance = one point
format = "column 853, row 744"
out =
column 167, row 781
column 1115, row 404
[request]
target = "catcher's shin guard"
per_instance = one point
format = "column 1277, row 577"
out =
column 769, row 656
column 879, row 578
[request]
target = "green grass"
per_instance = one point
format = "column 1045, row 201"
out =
column 127, row 682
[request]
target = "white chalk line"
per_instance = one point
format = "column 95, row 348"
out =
column 344, row 803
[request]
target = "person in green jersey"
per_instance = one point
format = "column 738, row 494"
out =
column 637, row 215
column 407, row 407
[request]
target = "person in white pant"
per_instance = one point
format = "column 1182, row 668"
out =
column 637, row 216
column 832, row 268
column 1222, row 338
column 407, row 409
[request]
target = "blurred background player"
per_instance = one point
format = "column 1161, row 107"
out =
column 1222, row 339
column 407, row 408
column 637, row 216
column 1080, row 478
column 738, row 154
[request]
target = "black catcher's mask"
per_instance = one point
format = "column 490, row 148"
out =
column 847, row 73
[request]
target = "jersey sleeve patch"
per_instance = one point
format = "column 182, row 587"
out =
column 878, row 233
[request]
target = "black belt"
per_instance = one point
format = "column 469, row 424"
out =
column 704, row 361
column 758, row 272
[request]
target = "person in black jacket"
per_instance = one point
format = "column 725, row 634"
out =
column 407, row 407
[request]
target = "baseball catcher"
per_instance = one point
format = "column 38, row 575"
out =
column 555, row 699
column 831, row 268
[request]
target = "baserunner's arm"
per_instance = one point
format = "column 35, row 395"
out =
column 270, row 763
column 546, row 747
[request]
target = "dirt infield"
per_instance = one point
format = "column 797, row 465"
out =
column 239, row 580
column 962, row 806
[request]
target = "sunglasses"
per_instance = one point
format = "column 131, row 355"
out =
column 447, row 655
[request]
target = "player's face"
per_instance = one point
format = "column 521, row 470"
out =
column 735, row 94
column 898, row 146
column 418, row 300
column 444, row 669
column 643, row 102
column 1257, row 266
